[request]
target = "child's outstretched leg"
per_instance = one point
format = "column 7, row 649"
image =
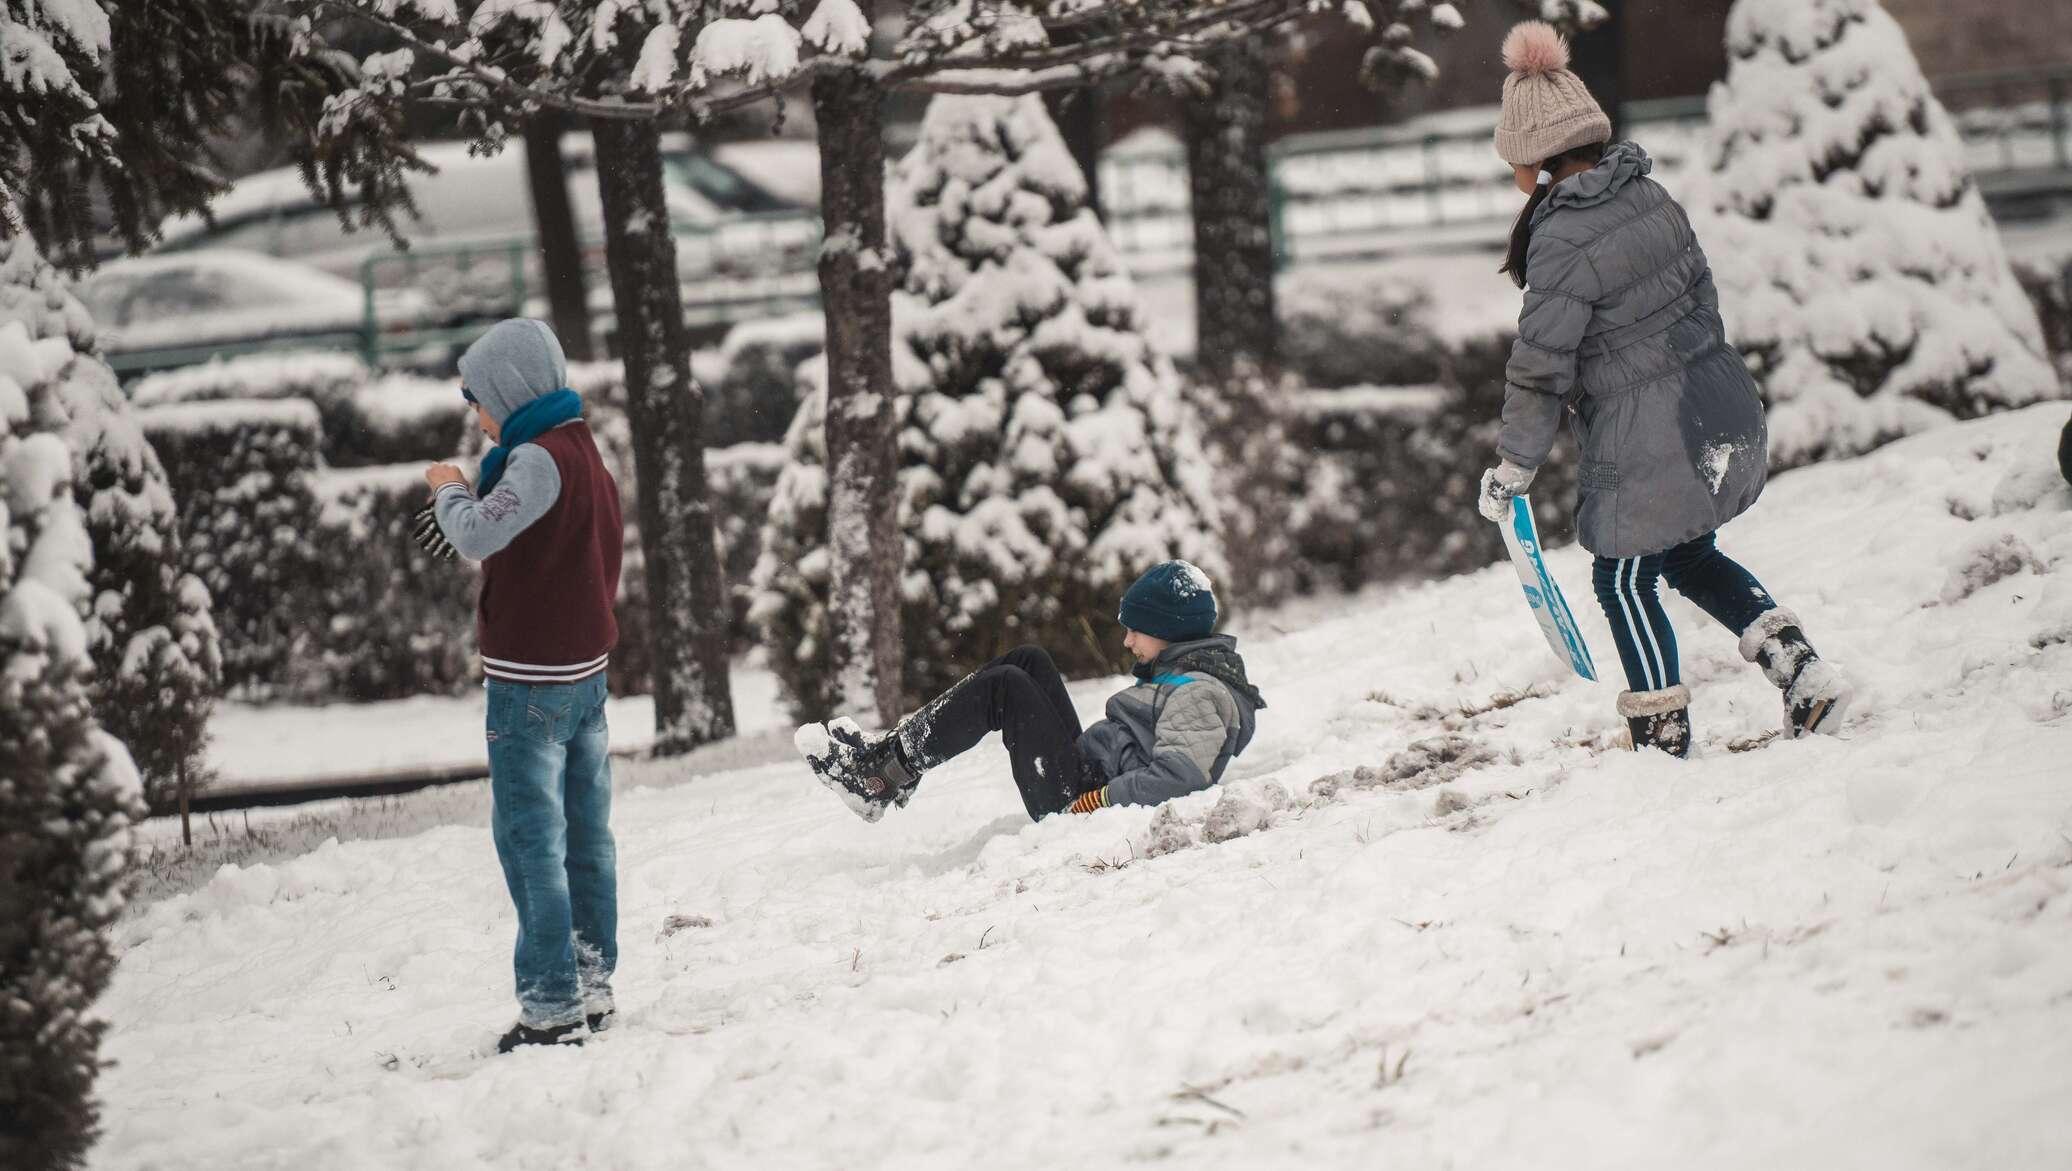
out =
column 1020, row 695
column 1656, row 704
column 1815, row 694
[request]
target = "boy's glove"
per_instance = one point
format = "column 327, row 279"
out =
column 424, row 529
column 1499, row 484
column 1088, row 802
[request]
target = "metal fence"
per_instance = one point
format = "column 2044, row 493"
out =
column 1435, row 181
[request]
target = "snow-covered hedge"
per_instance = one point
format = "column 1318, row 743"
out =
column 1357, row 327
column 1047, row 454
column 369, row 419
column 244, row 476
column 755, row 393
column 388, row 620
column 1335, row 489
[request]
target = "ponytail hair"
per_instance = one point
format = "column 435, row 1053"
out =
column 1521, row 228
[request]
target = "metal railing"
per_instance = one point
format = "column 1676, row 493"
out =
column 1435, row 180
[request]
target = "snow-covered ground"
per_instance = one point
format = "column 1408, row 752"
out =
column 1851, row 952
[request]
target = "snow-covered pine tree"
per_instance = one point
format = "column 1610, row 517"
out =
column 68, row 792
column 1047, row 455
column 156, row 661
column 1857, row 265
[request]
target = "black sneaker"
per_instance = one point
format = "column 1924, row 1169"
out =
column 522, row 1034
column 599, row 1021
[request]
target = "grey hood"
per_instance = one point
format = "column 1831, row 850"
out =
column 517, row 361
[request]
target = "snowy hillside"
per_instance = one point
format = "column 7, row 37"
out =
column 1851, row 952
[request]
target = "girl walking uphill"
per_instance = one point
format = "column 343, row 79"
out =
column 1621, row 329
column 544, row 521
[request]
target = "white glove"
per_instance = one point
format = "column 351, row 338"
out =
column 1499, row 484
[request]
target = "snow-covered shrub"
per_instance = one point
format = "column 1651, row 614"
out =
column 243, row 473
column 1357, row 327
column 2050, row 294
column 397, row 419
column 1047, row 454
column 1386, row 477
column 756, row 392
column 1857, row 266
column 744, row 480
column 156, row 661
column 68, row 791
column 1263, row 481
column 368, row 419
column 390, row 620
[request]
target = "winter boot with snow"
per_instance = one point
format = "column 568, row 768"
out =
column 1815, row 694
column 522, row 1034
column 1659, row 719
column 866, row 773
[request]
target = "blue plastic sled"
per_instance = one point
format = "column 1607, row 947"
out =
column 1522, row 538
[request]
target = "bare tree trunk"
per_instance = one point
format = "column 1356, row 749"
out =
column 561, row 258
column 1225, row 133
column 665, row 408
column 856, row 292
column 1080, row 115
column 1597, row 56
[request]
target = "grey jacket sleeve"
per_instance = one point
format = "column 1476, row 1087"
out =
column 1192, row 729
column 528, row 488
column 1543, row 360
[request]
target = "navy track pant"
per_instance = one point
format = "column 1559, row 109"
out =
column 1626, row 588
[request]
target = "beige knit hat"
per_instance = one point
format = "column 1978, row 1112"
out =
column 1547, row 109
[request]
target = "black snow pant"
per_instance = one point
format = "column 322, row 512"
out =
column 1021, row 696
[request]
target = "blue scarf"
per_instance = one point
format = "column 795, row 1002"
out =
column 526, row 424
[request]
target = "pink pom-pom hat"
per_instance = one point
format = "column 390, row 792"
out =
column 1547, row 109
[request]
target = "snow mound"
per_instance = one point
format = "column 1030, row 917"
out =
column 1512, row 948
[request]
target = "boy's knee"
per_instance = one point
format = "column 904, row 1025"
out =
column 1027, row 653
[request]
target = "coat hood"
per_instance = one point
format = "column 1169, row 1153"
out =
column 1621, row 164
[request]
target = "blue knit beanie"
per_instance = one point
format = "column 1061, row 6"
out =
column 1174, row 601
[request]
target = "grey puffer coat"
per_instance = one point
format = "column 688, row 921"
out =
column 1621, row 323
column 1174, row 732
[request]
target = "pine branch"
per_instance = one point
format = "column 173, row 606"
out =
column 494, row 79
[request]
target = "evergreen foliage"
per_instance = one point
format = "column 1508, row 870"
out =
column 1858, row 268
column 1047, row 454
column 67, row 790
column 156, row 660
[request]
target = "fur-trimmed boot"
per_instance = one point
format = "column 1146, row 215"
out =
column 867, row 773
column 1659, row 719
column 1815, row 694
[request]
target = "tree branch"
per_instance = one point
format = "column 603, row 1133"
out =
column 494, row 79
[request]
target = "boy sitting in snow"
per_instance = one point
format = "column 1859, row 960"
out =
column 1170, row 734
column 544, row 521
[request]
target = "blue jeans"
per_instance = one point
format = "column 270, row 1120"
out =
column 1697, row 570
column 550, row 780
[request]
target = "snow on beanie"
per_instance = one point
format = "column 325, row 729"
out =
column 1174, row 601
column 517, row 361
column 1547, row 109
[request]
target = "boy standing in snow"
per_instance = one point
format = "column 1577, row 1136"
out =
column 544, row 521
column 1172, row 733
column 1621, row 328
